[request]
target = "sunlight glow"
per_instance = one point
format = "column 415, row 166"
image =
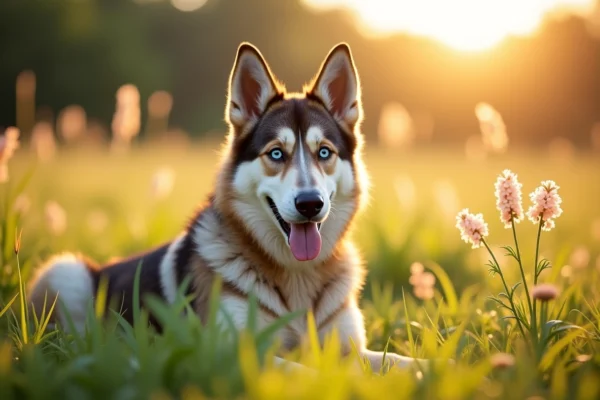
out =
column 188, row 5
column 468, row 25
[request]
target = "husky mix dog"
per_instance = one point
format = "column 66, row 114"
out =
column 290, row 182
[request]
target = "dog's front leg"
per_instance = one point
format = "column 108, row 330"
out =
column 378, row 358
column 236, row 309
column 350, row 324
column 290, row 365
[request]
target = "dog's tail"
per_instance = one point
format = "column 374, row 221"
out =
column 68, row 280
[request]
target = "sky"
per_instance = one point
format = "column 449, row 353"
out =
column 468, row 25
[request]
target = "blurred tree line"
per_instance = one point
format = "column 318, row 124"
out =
column 83, row 51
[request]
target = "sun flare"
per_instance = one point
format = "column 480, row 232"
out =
column 469, row 25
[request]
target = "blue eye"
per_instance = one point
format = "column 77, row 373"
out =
column 276, row 154
column 324, row 153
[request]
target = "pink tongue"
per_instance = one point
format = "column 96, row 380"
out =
column 305, row 241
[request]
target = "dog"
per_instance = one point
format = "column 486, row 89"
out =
column 290, row 182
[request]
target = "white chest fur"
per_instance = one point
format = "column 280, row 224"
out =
column 297, row 290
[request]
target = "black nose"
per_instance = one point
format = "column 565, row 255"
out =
column 309, row 204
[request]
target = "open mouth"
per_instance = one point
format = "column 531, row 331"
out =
column 284, row 225
column 303, row 238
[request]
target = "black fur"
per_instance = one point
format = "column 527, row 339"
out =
column 121, row 276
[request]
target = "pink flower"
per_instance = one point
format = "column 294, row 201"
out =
column 43, row 141
column 546, row 205
column 422, row 282
column 472, row 227
column 509, row 198
column 416, row 268
column 56, row 218
column 162, row 183
column 9, row 142
column 544, row 292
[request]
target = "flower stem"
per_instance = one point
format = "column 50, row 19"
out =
column 537, row 251
column 532, row 322
column 512, row 305
column 543, row 319
column 535, row 274
column 521, row 267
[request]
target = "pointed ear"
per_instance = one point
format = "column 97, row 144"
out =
column 338, row 86
column 251, row 87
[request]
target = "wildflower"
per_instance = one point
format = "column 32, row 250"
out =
column 43, row 141
column 493, row 129
column 566, row 271
column 502, row 360
column 9, row 142
column 544, row 292
column 18, row 241
column 126, row 120
column 416, row 268
column 546, row 205
column 396, row 128
column 580, row 257
column 472, row 227
column 422, row 282
column 160, row 104
column 56, row 217
column 423, row 291
column 162, row 182
column 72, row 123
column 26, row 85
column 509, row 198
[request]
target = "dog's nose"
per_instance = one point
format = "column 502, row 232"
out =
column 309, row 204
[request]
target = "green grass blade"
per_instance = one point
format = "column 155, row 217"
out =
column 7, row 306
column 411, row 340
column 447, row 286
column 24, row 309
column 136, row 294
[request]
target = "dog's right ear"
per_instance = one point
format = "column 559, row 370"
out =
column 251, row 87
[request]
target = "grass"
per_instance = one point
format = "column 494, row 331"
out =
column 111, row 211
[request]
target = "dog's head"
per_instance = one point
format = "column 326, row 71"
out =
column 293, row 175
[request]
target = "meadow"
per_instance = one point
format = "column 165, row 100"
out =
column 111, row 205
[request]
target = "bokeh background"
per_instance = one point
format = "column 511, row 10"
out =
column 120, row 105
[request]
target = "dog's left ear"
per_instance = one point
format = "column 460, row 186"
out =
column 251, row 87
column 338, row 86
